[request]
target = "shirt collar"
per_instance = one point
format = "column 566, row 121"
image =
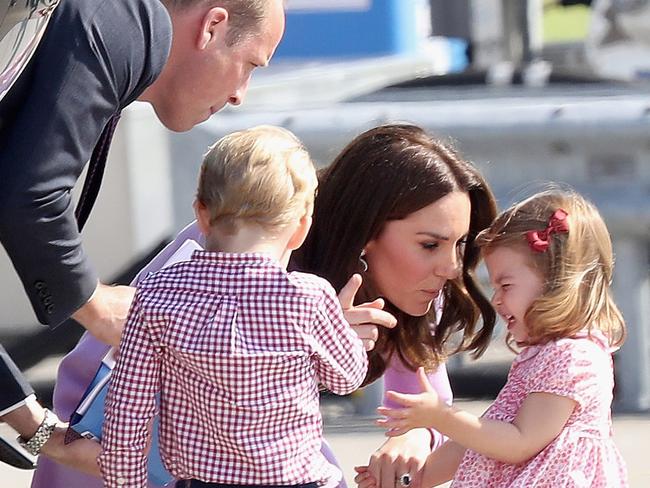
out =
column 235, row 259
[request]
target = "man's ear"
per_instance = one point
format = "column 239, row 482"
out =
column 213, row 27
column 202, row 217
column 300, row 234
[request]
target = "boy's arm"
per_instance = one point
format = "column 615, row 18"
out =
column 340, row 357
column 130, row 405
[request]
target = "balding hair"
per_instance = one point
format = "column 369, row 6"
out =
column 245, row 16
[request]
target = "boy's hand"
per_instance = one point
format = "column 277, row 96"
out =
column 365, row 317
column 420, row 410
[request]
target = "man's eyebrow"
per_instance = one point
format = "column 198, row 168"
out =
column 435, row 235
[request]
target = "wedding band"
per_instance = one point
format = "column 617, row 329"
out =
column 405, row 480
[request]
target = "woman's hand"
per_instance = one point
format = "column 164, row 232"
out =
column 364, row 318
column 396, row 457
column 80, row 454
column 419, row 410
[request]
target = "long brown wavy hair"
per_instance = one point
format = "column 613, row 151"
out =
column 386, row 174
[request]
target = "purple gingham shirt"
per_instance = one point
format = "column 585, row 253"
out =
column 236, row 347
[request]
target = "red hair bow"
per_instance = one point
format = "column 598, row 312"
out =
column 539, row 240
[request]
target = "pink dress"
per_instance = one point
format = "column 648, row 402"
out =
column 584, row 454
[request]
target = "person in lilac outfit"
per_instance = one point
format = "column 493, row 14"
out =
column 401, row 209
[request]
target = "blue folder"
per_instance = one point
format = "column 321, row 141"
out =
column 89, row 416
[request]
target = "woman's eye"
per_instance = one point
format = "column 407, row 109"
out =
column 430, row 245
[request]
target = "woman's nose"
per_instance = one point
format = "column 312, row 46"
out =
column 450, row 267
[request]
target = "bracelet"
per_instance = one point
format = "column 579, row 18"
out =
column 42, row 434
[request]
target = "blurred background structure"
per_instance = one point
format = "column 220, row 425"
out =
column 532, row 91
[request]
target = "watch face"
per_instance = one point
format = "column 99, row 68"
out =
column 22, row 24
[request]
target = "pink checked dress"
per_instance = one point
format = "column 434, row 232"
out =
column 584, row 454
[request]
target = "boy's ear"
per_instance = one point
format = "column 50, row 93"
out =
column 300, row 234
column 202, row 217
column 214, row 27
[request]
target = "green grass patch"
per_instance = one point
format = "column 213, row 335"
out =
column 562, row 24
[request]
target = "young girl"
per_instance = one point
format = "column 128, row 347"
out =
column 550, row 262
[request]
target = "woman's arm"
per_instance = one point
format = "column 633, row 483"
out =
column 408, row 453
column 395, row 457
column 439, row 467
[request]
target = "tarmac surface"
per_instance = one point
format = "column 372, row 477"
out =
column 354, row 438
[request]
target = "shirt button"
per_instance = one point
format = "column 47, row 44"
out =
column 120, row 481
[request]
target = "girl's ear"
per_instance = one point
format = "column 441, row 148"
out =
column 202, row 217
column 300, row 234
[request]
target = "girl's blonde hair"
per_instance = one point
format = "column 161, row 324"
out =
column 263, row 174
column 577, row 266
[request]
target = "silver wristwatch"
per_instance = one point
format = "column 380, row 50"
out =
column 42, row 435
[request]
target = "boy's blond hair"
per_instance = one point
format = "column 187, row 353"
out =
column 577, row 267
column 262, row 175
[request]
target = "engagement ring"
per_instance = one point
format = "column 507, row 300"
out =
column 405, row 480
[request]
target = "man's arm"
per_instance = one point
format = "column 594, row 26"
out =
column 105, row 313
column 95, row 58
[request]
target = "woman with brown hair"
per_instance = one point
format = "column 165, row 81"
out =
column 403, row 209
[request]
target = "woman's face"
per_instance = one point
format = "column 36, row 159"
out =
column 412, row 258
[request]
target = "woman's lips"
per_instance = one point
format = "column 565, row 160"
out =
column 432, row 293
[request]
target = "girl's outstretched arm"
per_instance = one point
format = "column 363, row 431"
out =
column 441, row 465
column 540, row 419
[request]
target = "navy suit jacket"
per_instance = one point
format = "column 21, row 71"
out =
column 96, row 57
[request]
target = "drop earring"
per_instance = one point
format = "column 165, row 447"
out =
column 362, row 260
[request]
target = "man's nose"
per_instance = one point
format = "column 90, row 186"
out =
column 237, row 98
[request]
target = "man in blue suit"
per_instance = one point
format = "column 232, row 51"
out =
column 188, row 59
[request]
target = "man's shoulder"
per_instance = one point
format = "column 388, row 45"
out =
column 129, row 38
column 129, row 11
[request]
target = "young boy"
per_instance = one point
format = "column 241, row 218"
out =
column 235, row 346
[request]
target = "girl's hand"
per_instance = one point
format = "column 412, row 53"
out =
column 364, row 479
column 396, row 457
column 364, row 318
column 419, row 410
